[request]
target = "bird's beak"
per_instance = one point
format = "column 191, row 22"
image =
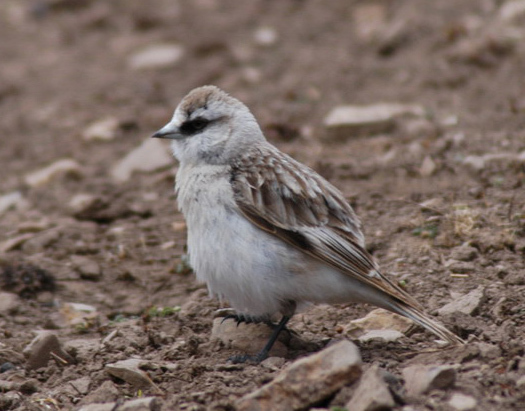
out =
column 169, row 131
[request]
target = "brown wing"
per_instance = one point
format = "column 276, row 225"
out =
column 291, row 201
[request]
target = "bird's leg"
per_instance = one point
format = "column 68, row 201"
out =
column 263, row 354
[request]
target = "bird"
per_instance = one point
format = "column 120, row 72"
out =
column 264, row 231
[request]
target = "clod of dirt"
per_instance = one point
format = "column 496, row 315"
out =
column 25, row 279
column 307, row 381
column 420, row 379
column 372, row 393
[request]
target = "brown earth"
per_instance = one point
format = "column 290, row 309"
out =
column 65, row 64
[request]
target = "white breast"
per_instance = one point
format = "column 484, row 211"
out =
column 238, row 261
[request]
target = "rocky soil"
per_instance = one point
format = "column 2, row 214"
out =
column 415, row 109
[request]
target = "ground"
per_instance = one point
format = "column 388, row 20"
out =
column 440, row 196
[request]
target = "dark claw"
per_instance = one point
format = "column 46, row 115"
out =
column 252, row 359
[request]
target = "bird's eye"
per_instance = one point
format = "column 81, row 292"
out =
column 193, row 126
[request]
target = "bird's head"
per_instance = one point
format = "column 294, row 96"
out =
column 210, row 127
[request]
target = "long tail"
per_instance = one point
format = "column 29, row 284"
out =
column 424, row 320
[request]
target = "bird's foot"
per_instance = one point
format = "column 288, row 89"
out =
column 251, row 359
column 241, row 318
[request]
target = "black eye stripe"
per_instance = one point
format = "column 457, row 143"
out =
column 193, row 126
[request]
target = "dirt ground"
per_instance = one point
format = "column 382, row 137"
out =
column 426, row 190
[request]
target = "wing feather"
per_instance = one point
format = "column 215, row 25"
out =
column 289, row 200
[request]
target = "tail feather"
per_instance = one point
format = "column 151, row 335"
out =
column 424, row 320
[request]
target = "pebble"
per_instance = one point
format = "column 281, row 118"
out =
column 479, row 163
column 81, row 202
column 462, row 402
column 307, row 381
column 102, row 130
column 45, row 175
column 129, row 371
column 265, row 36
column 42, row 348
column 9, row 303
column 141, row 404
column 13, row 200
column 81, row 385
column 156, row 57
column 378, row 319
column 372, row 393
column 150, row 156
column 512, row 10
column 42, row 241
column 384, row 335
column 79, row 315
column 428, row 167
column 249, row 338
column 420, row 379
column 106, row 392
column 366, row 120
column 86, row 267
column 466, row 304
column 82, row 349
column 273, row 363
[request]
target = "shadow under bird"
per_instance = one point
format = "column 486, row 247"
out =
column 266, row 232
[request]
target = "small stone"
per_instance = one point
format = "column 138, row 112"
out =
column 521, row 382
column 476, row 163
column 83, row 349
column 41, row 241
column 378, row 319
column 307, row 381
column 265, row 36
column 81, row 385
column 249, row 338
column 129, row 371
column 103, row 130
column 420, row 379
column 81, row 202
column 488, row 351
column 141, row 404
column 45, row 346
column 466, row 304
column 512, row 10
column 366, row 120
column 462, row 402
column 428, row 167
column 273, row 363
column 7, row 366
column 372, row 393
column 460, row 267
column 106, row 392
column 464, row 253
column 45, row 175
column 384, row 335
column 9, row 303
column 86, row 267
column 150, row 156
column 13, row 200
column 156, row 57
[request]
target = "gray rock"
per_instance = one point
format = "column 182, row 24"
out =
column 420, row 379
column 265, row 36
column 13, row 200
column 41, row 241
column 384, row 335
column 365, row 120
column 141, row 404
column 156, row 57
column 150, row 156
column 9, row 303
column 82, row 349
column 45, row 346
column 466, row 304
column 129, row 371
column 378, row 319
column 106, row 393
column 372, row 393
column 86, row 267
column 249, row 338
column 44, row 176
column 307, row 381
column 104, row 130
column 81, row 385
column 462, row 402
column 14, row 243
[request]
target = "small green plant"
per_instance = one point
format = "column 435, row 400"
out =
column 426, row 231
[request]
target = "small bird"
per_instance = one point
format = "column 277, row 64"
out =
column 266, row 232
